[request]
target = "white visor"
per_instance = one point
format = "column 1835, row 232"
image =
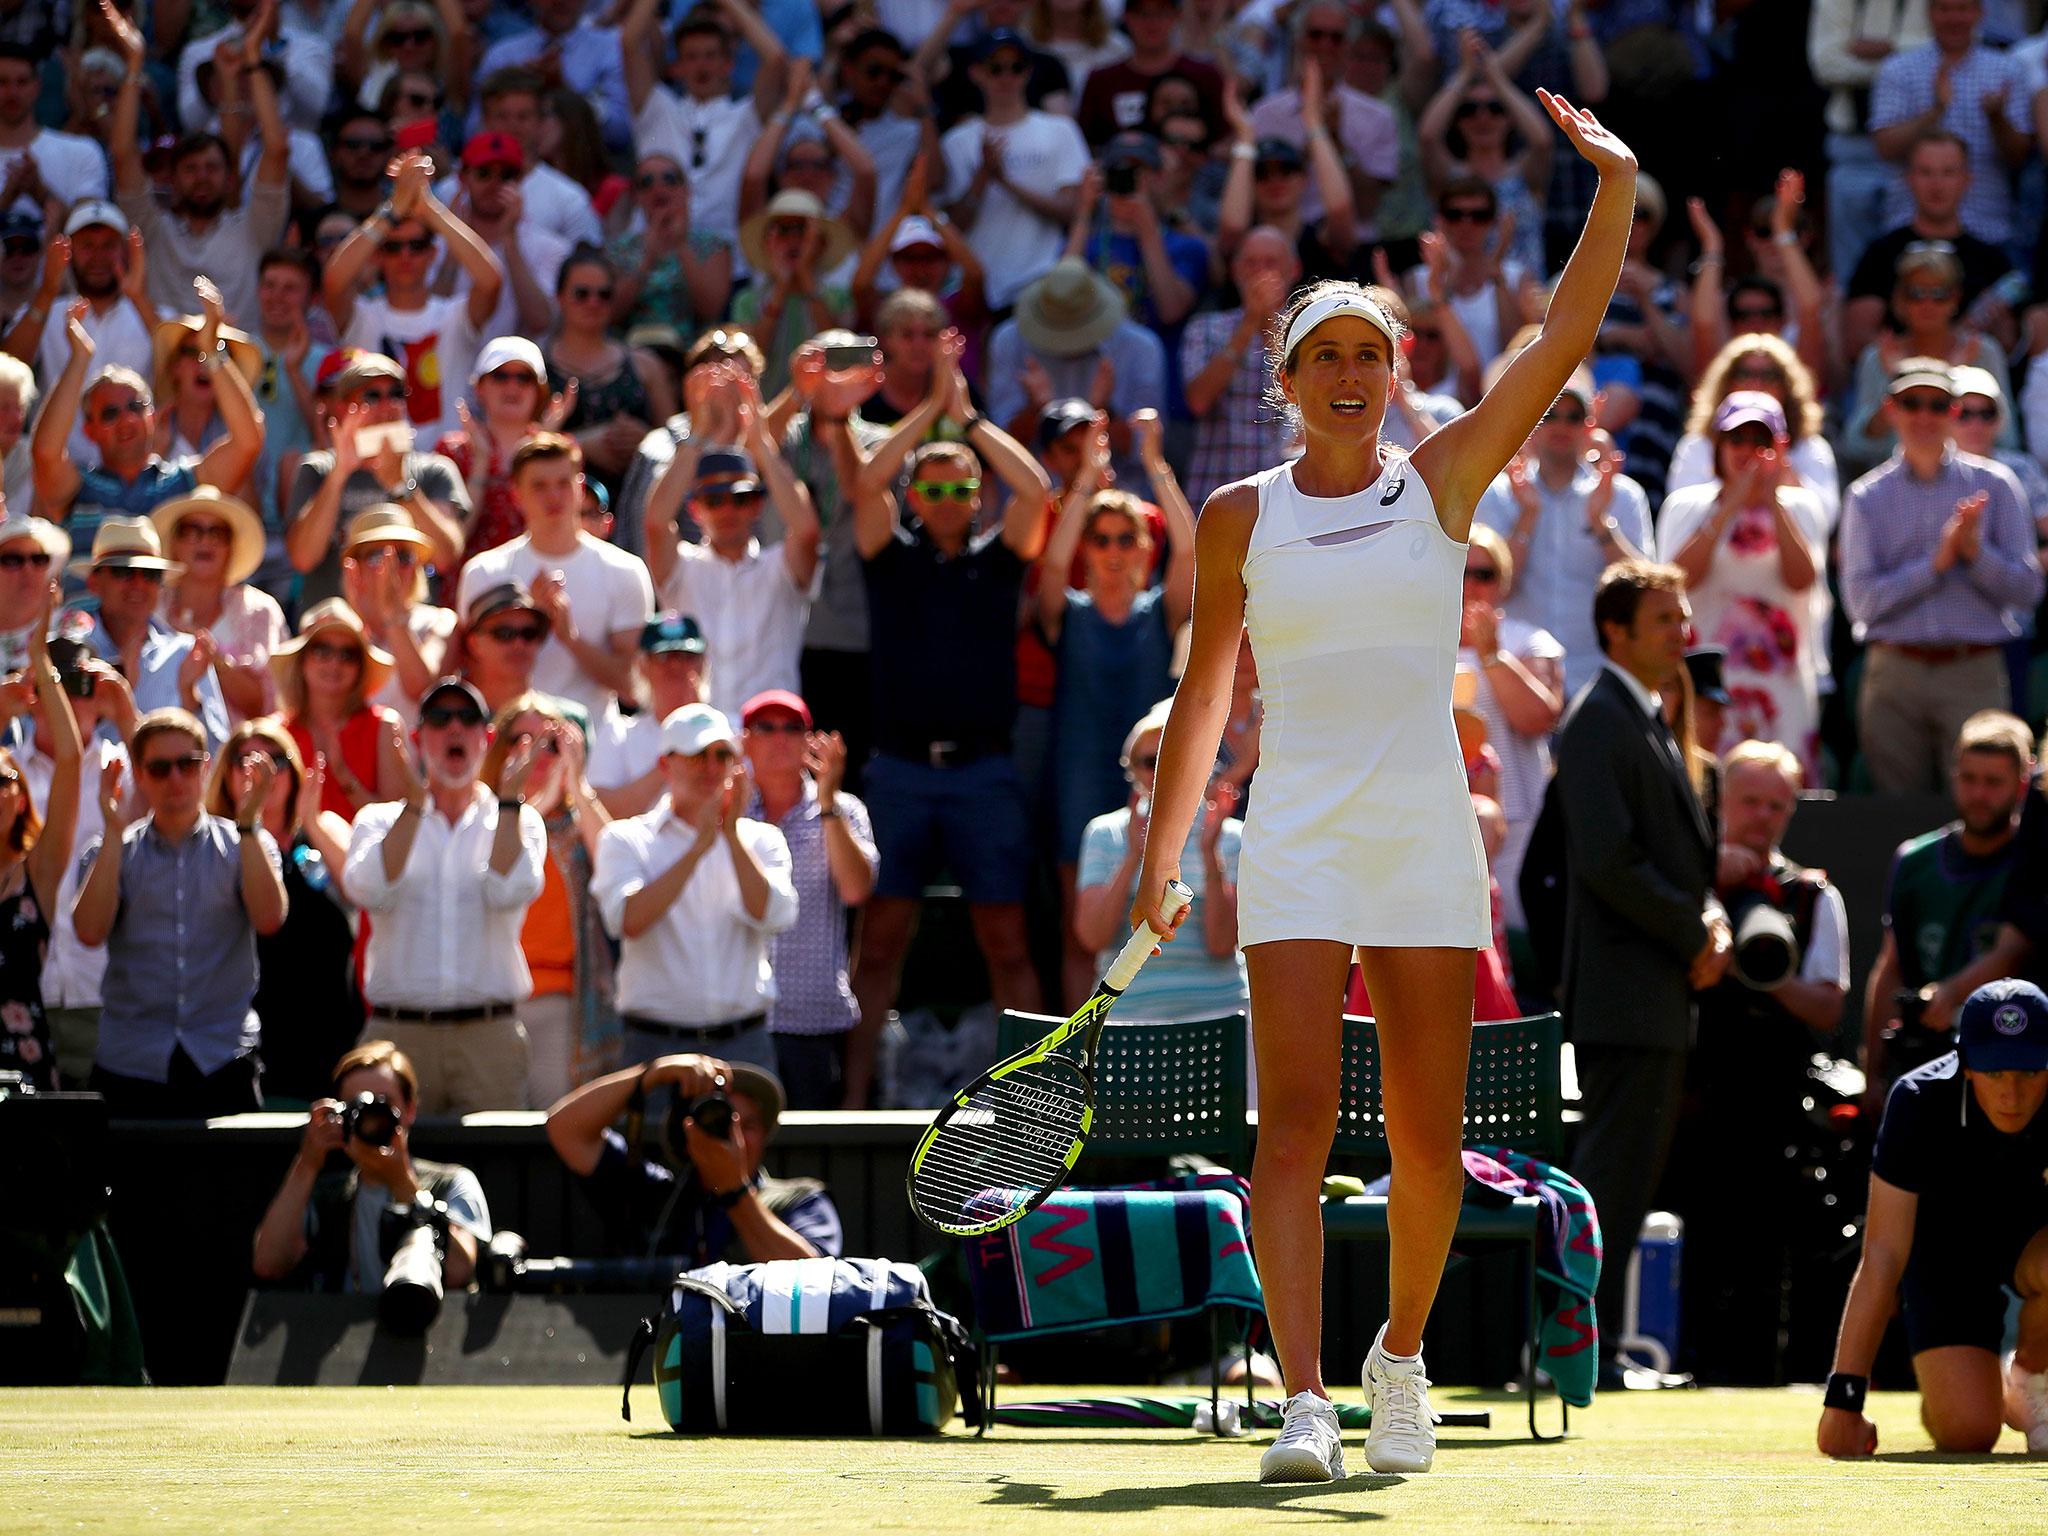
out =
column 1330, row 306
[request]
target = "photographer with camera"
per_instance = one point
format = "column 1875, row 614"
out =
column 1778, row 1003
column 695, row 1189
column 388, row 1224
column 1943, row 905
column 1958, row 1217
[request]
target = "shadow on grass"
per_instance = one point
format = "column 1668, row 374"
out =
column 1931, row 1457
column 1238, row 1493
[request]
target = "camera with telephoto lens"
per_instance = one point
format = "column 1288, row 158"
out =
column 371, row 1119
column 1766, row 949
column 413, row 1240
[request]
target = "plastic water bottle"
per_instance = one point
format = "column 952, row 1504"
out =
column 1224, row 1420
column 1651, row 1328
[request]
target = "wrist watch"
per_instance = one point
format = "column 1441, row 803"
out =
column 728, row 1199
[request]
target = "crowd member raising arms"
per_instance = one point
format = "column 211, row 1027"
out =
column 1349, row 795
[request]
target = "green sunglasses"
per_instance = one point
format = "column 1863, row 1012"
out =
column 939, row 490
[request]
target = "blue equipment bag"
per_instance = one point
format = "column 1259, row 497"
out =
column 805, row 1346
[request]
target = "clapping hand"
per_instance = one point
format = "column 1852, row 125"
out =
column 212, row 308
column 262, row 773
column 551, row 597
column 1962, row 536
column 732, row 802
column 519, row 766
column 74, row 328
column 1147, row 438
column 1220, row 801
column 113, row 799
column 825, row 761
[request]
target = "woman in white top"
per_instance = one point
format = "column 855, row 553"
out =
column 1753, row 545
column 1347, row 568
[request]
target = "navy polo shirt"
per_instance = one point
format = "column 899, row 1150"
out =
column 943, row 641
column 1980, row 1190
column 646, row 1211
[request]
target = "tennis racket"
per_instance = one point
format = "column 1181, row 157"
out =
column 1010, row 1137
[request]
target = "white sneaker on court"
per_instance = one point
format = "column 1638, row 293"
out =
column 1308, row 1450
column 1403, row 1433
column 2026, row 1395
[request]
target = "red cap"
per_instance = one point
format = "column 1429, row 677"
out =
column 493, row 149
column 775, row 698
column 333, row 363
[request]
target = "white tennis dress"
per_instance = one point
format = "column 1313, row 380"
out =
column 1361, row 826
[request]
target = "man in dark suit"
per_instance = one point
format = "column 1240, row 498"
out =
column 1643, row 931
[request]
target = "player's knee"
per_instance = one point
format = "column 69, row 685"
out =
column 1965, row 1429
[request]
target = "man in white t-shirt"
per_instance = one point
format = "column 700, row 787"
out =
column 433, row 337
column 1362, row 127
column 752, row 602
column 1011, row 173
column 596, row 597
column 625, row 750
column 702, row 128
column 531, row 254
column 513, row 103
column 39, row 165
column 307, row 57
column 105, row 270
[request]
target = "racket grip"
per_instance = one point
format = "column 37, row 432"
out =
column 1138, row 947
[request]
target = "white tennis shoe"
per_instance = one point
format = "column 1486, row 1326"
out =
column 2026, row 1398
column 1403, row 1433
column 1309, row 1449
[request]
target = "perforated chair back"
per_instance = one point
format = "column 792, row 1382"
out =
column 1161, row 1086
column 1512, row 1093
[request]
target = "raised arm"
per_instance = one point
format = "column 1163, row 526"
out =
column 486, row 277
column 1057, row 559
column 124, row 144
column 1180, row 519
column 802, row 533
column 228, row 462
column 1460, row 460
column 51, row 857
column 640, row 51
column 753, row 27
column 56, row 476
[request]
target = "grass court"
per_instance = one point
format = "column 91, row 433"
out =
column 227, row 1460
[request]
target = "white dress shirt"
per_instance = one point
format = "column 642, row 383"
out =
column 752, row 613
column 445, row 933
column 705, row 960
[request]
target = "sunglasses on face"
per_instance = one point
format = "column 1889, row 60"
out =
column 494, row 173
column 1006, row 69
column 1275, row 170
column 724, row 757
column 206, row 533
column 1186, row 145
column 1124, row 540
column 409, row 37
column 516, row 634
column 107, row 415
column 1762, row 312
column 363, row 145
column 1755, row 373
column 1323, row 34
column 1482, row 109
column 321, row 651
column 135, row 573
column 418, row 99
column 716, row 500
column 161, row 768
column 381, row 396
column 647, row 179
column 582, row 293
column 776, row 728
column 1565, row 417
column 242, row 751
column 1484, row 575
column 418, row 245
column 1751, row 437
column 14, row 560
column 939, row 490
column 1963, row 413
column 512, row 376
column 1921, row 405
column 438, row 716
column 1917, row 294
column 403, row 556
column 1467, row 215
column 789, row 229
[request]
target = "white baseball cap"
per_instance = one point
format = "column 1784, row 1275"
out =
column 695, row 727
column 501, row 350
column 96, row 210
column 913, row 232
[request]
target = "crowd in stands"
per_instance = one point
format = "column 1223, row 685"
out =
column 536, row 533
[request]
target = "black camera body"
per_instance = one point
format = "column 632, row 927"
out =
column 413, row 1240
column 712, row 1112
column 370, row 1118
column 1120, row 180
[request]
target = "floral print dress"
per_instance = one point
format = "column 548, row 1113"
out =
column 24, row 1031
column 1745, row 607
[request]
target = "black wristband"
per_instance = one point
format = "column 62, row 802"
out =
column 505, row 804
column 1846, row 1392
column 974, row 419
column 728, row 1200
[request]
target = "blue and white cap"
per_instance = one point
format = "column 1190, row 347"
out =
column 2003, row 1027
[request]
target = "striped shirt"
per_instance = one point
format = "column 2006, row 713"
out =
column 1905, row 88
column 1891, row 526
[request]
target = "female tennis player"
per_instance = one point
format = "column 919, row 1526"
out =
column 1346, row 569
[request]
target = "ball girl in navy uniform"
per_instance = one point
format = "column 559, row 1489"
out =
column 1346, row 567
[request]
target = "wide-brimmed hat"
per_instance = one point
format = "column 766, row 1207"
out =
column 795, row 203
column 53, row 541
column 127, row 543
column 244, row 554
column 1070, row 310
column 172, row 334
column 334, row 613
column 385, row 523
